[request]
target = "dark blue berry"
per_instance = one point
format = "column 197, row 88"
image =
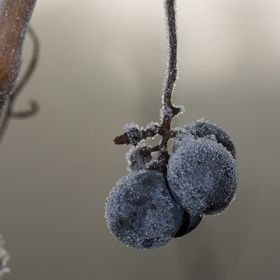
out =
column 206, row 129
column 202, row 175
column 140, row 211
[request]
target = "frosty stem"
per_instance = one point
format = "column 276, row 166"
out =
column 168, row 111
column 171, row 71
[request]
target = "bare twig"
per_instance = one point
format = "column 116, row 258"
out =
column 134, row 135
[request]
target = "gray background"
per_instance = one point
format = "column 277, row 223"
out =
column 101, row 66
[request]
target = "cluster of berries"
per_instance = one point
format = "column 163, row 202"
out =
column 151, row 205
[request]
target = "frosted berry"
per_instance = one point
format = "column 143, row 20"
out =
column 209, row 130
column 140, row 211
column 202, row 175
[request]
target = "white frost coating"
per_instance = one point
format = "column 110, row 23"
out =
column 137, row 161
column 134, row 133
column 156, row 160
column 161, row 113
column 182, row 109
column 180, row 130
column 130, row 126
column 165, row 112
column 205, row 129
column 154, row 126
column 4, row 257
column 168, row 111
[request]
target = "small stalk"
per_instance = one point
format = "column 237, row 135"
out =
column 134, row 134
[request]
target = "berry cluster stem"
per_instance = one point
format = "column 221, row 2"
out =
column 168, row 111
column 171, row 70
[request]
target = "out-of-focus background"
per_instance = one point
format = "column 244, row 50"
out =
column 101, row 66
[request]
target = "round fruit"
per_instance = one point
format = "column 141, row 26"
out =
column 140, row 211
column 206, row 129
column 202, row 175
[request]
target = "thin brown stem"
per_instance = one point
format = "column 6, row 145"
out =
column 171, row 71
column 134, row 134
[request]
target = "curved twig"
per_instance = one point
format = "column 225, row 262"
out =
column 33, row 104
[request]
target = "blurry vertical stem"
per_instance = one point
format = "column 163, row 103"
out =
column 14, row 19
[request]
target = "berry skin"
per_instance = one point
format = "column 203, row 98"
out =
column 140, row 211
column 206, row 129
column 202, row 175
